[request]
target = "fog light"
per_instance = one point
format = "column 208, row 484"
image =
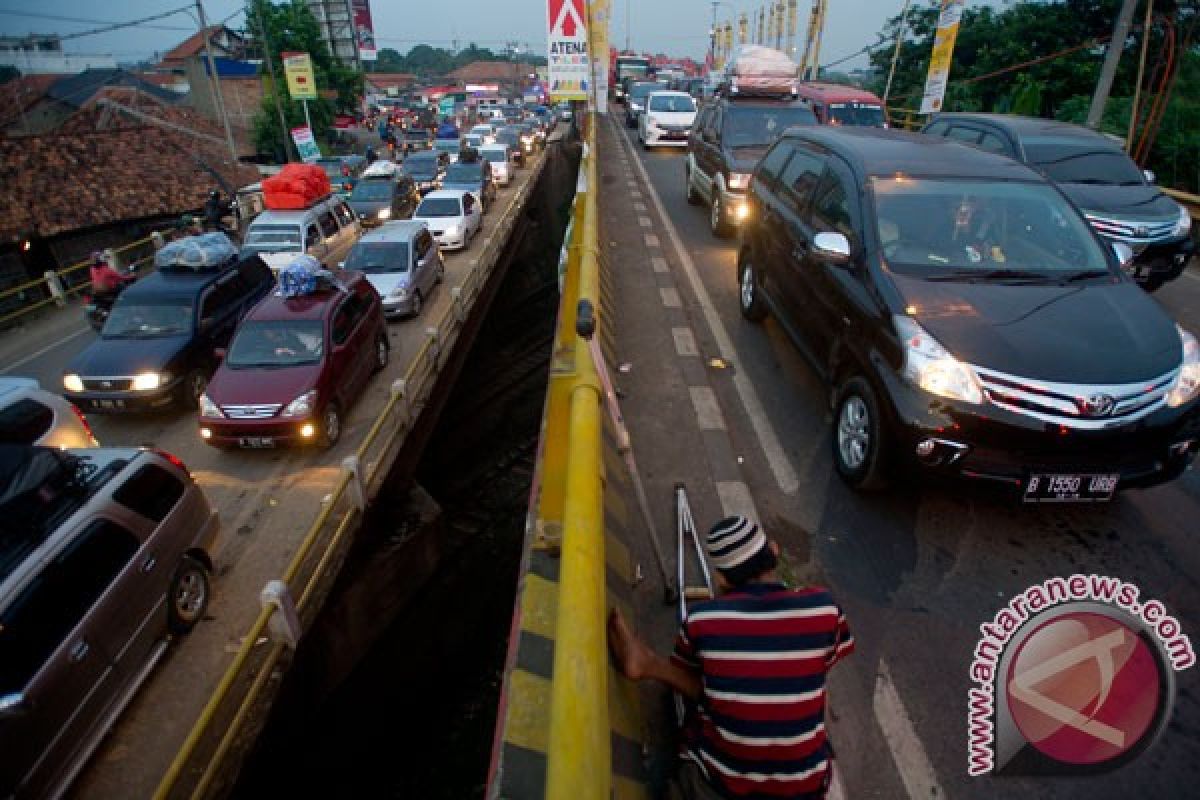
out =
column 926, row 447
column 1179, row 449
column 940, row 452
column 205, row 433
column 308, row 430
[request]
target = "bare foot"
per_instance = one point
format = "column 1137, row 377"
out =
column 628, row 650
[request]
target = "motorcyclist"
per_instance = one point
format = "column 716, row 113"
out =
column 215, row 210
column 107, row 283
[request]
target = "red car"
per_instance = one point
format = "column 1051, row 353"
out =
column 295, row 366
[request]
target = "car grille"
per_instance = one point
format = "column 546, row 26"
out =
column 1133, row 231
column 1089, row 406
column 107, row 384
column 674, row 128
column 251, row 411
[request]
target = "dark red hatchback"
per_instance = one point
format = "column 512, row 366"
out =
column 295, row 366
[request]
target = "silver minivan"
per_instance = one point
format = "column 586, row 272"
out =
column 325, row 230
column 104, row 553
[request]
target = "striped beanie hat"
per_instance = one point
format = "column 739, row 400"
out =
column 733, row 542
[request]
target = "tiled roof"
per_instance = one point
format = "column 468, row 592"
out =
column 480, row 71
column 22, row 93
column 382, row 80
column 57, row 183
column 194, row 45
column 99, row 117
column 78, row 90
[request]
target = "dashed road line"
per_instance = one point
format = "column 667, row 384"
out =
column 735, row 498
column 639, row 208
column 658, row 264
column 685, row 342
column 652, row 240
column 644, row 222
column 777, row 459
column 901, row 735
column 708, row 412
column 670, row 297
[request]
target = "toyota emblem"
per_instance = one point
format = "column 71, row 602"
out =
column 1098, row 405
column 106, row 384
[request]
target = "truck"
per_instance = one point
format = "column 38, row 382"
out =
column 627, row 66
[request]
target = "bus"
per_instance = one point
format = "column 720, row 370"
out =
column 636, row 67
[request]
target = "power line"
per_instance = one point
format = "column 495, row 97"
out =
column 56, row 18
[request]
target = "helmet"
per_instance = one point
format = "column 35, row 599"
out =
column 97, row 257
column 215, row 194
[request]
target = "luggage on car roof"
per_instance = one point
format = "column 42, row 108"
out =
column 757, row 69
column 207, row 251
column 296, row 186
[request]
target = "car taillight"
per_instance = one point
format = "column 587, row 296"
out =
column 83, row 421
column 174, row 459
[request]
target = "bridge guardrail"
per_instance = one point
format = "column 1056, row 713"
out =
column 1190, row 201
column 228, row 718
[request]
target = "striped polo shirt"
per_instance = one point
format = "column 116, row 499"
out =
column 762, row 653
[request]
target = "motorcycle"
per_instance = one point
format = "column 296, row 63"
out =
column 96, row 306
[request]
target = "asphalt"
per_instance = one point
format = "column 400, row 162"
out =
column 917, row 569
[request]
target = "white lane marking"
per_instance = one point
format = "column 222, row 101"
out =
column 659, row 264
column 644, row 222
column 735, row 499
column 836, row 792
column 901, row 736
column 781, row 467
column 670, row 297
column 639, row 208
column 708, row 412
column 652, row 240
column 43, row 351
column 685, row 342
column 636, row 195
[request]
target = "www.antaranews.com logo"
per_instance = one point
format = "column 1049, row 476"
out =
column 1075, row 675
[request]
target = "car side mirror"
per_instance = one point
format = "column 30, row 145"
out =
column 832, row 247
column 1149, row 175
column 219, row 353
column 1124, row 253
column 15, row 705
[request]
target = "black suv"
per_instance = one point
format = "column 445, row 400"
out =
column 377, row 200
column 159, row 341
column 728, row 137
column 1118, row 199
column 966, row 318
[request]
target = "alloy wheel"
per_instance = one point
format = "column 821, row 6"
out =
column 854, row 437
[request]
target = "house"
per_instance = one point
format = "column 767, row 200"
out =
column 226, row 43
column 41, row 54
column 67, row 94
column 388, row 83
column 492, row 72
column 241, row 90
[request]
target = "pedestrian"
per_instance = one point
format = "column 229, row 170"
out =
column 751, row 667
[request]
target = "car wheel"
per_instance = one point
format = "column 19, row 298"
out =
column 716, row 219
column 331, row 425
column 749, row 298
column 689, row 191
column 858, row 436
column 193, row 386
column 382, row 351
column 417, row 304
column 188, row 595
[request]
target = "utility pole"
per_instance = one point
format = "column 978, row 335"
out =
column 216, row 82
column 896, row 53
column 289, row 149
column 1141, row 73
column 628, row 26
column 712, row 36
column 1112, row 57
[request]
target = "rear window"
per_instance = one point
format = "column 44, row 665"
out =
column 25, row 421
column 759, row 126
column 272, row 239
column 151, row 492
column 866, row 114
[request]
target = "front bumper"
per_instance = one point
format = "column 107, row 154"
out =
column 661, row 138
column 1162, row 261
column 396, row 307
column 257, row 433
column 100, row 401
column 994, row 445
column 449, row 242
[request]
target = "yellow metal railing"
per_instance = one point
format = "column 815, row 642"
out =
column 578, row 756
column 1190, row 201
column 906, row 119
column 227, row 718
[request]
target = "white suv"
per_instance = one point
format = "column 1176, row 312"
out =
column 667, row 120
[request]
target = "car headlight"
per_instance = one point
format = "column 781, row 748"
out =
column 149, row 381
column 634, row 107
column 453, row 230
column 384, row 213
column 208, row 408
column 1187, row 385
column 930, row 366
column 73, row 383
column 1183, row 226
column 302, row 406
column 399, row 293
column 739, row 180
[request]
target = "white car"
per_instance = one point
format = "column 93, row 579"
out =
column 667, row 120
column 453, row 216
column 497, row 155
column 31, row 415
column 484, row 131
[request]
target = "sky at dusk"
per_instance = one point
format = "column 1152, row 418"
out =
column 676, row 27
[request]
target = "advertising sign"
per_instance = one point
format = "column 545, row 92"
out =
column 943, row 54
column 306, row 145
column 570, row 70
column 364, row 29
column 601, row 17
column 300, row 81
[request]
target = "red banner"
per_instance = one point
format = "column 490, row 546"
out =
column 364, row 29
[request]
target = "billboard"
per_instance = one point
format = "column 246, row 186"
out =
column 943, row 54
column 570, row 69
column 364, row 29
column 306, row 145
column 299, row 71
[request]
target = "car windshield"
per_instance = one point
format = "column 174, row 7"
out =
column 276, row 343
column 439, row 207
column 672, row 103
column 856, row 114
column 376, row 257
column 951, row 229
column 464, row 173
column 759, row 126
column 496, row 155
column 146, row 319
column 372, row 191
column 272, row 239
column 1068, row 160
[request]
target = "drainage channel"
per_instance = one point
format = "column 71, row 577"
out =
column 412, row 713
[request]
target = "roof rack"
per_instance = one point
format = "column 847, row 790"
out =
column 730, row 89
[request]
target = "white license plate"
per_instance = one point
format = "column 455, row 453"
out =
column 108, row 404
column 256, row 442
column 1070, row 488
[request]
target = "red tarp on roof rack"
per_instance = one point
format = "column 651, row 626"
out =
column 296, row 186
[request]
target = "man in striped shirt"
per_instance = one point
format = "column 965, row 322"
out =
column 752, row 663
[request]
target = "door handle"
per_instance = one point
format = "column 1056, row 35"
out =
column 79, row 651
column 149, row 564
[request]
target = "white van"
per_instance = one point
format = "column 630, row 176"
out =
column 498, row 156
column 325, row 230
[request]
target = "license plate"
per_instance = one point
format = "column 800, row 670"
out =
column 108, row 404
column 256, row 442
column 1070, row 488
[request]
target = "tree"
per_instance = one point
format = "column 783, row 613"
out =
column 291, row 27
